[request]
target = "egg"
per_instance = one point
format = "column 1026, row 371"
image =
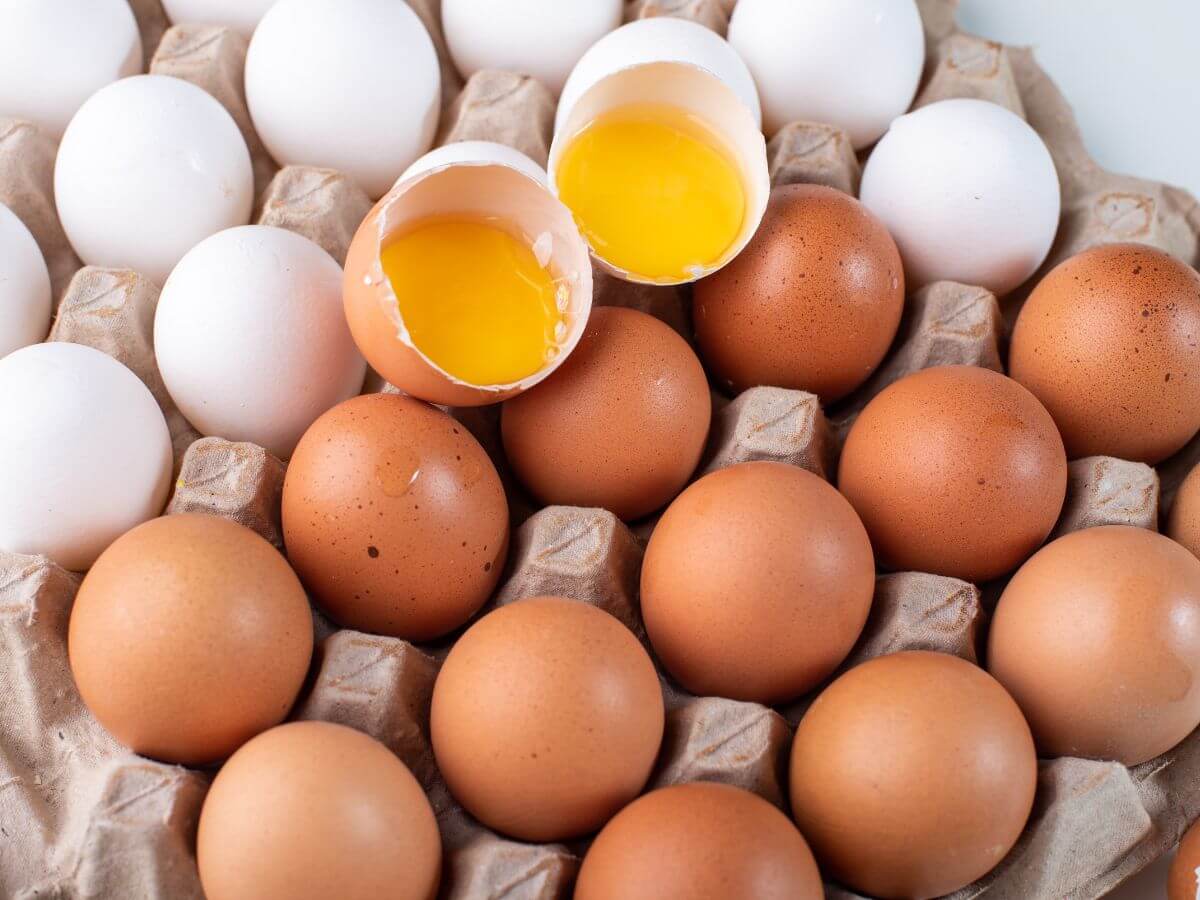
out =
column 85, row 452
column 912, row 775
column 852, row 65
column 969, row 192
column 1107, row 341
column 394, row 517
column 542, row 38
column 703, row 842
column 955, row 470
column 149, row 167
column 547, row 718
column 811, row 304
column 352, row 85
column 1183, row 882
column 54, row 54
column 241, row 15
column 312, row 810
column 189, row 636
column 456, row 317
column 25, row 299
column 621, row 425
column 250, row 336
column 1183, row 522
column 1098, row 639
column 756, row 583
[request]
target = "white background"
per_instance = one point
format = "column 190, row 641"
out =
column 1131, row 69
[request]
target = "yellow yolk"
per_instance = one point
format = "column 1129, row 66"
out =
column 654, row 191
column 474, row 299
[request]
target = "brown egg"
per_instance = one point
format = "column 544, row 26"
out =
column 621, row 425
column 547, row 718
column 394, row 516
column 313, row 810
column 189, row 636
column 812, row 303
column 1098, row 639
column 1109, row 341
column 756, row 583
column 1183, row 883
column 912, row 775
column 1183, row 523
column 955, row 470
column 700, row 842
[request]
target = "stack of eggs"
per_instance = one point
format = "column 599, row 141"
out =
column 470, row 284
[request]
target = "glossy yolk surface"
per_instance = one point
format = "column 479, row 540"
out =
column 654, row 191
column 475, row 299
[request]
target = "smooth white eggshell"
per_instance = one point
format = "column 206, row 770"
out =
column 969, row 191
column 542, row 38
column 148, row 168
column 242, row 15
column 851, row 64
column 85, row 453
column 24, row 286
column 352, row 85
column 251, row 339
column 54, row 54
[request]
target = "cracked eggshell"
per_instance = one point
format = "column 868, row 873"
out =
column 474, row 178
column 676, row 63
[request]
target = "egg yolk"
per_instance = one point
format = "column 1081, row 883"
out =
column 475, row 299
column 654, row 191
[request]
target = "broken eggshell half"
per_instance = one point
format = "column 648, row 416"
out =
column 478, row 179
column 676, row 63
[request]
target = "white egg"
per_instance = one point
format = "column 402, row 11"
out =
column 251, row 338
column 148, row 168
column 542, row 38
column 352, row 85
column 54, row 54
column 969, row 191
column 24, row 286
column 851, row 64
column 84, row 450
column 242, row 15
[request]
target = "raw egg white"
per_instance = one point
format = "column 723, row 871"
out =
column 24, row 286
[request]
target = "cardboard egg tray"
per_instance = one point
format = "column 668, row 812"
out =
column 81, row 817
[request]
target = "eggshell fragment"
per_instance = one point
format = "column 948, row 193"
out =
column 955, row 470
column 811, row 304
column 1098, row 639
column 394, row 517
column 471, row 178
column 756, row 583
column 313, row 810
column 1184, row 878
column 189, row 636
column 24, row 286
column 912, row 775
column 703, row 842
column 547, row 717
column 1107, row 341
column 621, row 425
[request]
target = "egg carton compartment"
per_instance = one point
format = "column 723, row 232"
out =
column 82, row 817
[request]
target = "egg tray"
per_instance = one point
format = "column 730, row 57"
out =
column 81, row 817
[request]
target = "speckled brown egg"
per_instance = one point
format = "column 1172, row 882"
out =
column 1109, row 341
column 394, row 517
column 701, row 842
column 756, row 583
column 313, row 810
column 1182, row 882
column 621, row 425
column 912, row 775
column 189, row 636
column 1098, row 639
column 955, row 470
column 1183, row 522
column 812, row 303
column 547, row 717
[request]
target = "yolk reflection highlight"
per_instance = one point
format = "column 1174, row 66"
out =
column 654, row 190
column 475, row 299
